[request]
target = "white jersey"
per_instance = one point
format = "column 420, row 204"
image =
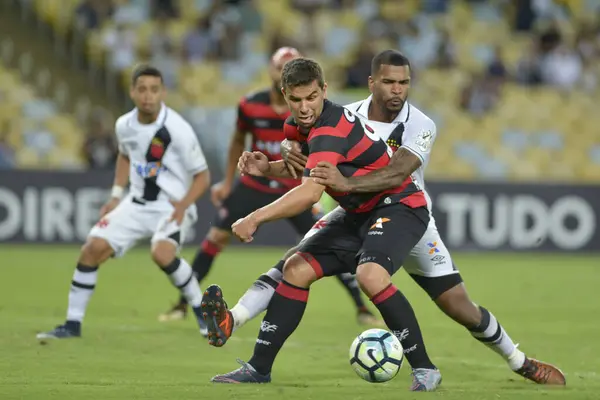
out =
column 164, row 155
column 411, row 129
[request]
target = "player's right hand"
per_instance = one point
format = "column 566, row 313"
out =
column 253, row 163
column 109, row 206
column 219, row 192
column 291, row 152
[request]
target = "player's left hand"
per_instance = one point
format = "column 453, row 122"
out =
column 328, row 175
column 178, row 212
column 244, row 228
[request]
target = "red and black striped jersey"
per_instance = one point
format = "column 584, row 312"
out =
column 342, row 139
column 257, row 117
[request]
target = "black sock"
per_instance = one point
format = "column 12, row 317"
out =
column 283, row 317
column 349, row 282
column 202, row 262
column 401, row 319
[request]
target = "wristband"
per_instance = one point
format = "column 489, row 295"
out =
column 117, row 192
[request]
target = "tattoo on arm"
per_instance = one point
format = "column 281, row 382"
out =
column 402, row 164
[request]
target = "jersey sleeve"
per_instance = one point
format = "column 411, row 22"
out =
column 243, row 122
column 118, row 133
column 418, row 138
column 326, row 144
column 290, row 129
column 192, row 154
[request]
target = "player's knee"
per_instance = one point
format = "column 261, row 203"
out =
column 218, row 236
column 163, row 253
column 95, row 251
column 372, row 278
column 456, row 304
column 290, row 252
column 298, row 272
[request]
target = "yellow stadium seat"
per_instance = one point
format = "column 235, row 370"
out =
column 27, row 158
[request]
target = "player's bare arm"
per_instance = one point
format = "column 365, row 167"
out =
column 199, row 185
column 120, row 182
column 221, row 190
column 236, row 148
column 402, row 164
column 257, row 164
column 292, row 203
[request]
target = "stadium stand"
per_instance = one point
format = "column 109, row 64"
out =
column 514, row 90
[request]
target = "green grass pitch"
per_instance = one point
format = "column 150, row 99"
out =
column 548, row 303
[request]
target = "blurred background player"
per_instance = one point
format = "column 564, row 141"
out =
column 261, row 114
column 159, row 155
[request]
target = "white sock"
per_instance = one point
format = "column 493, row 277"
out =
column 256, row 299
column 493, row 335
column 82, row 288
column 182, row 277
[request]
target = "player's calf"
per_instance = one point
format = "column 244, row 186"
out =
column 284, row 313
column 375, row 280
column 181, row 276
column 94, row 252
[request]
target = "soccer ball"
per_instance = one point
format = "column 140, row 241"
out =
column 376, row 355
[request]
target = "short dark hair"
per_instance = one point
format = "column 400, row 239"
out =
column 302, row 72
column 388, row 57
column 145, row 70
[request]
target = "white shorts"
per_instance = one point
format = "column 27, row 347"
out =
column 429, row 258
column 131, row 222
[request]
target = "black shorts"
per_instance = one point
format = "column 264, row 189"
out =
column 244, row 200
column 384, row 236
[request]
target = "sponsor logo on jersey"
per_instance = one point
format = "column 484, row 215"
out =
column 433, row 248
column 379, row 223
column 149, row 170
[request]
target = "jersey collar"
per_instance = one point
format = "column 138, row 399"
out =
column 402, row 117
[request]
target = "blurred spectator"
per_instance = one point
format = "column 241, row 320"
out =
column 420, row 42
column 168, row 61
column 590, row 77
column 550, row 38
column 279, row 39
column 587, row 45
column 528, row 70
column 199, row 44
column 446, row 51
column 310, row 6
column 524, row 15
column 167, row 8
column 90, row 14
column 7, row 153
column 252, row 20
column 119, row 42
column 100, row 146
column 226, row 28
column 160, row 36
column 497, row 68
column 132, row 12
column 480, row 95
column 562, row 68
column 435, row 6
column 359, row 71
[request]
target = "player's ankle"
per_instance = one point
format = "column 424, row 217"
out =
column 516, row 360
column 240, row 315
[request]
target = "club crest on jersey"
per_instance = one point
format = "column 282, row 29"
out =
column 157, row 148
column 149, row 170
